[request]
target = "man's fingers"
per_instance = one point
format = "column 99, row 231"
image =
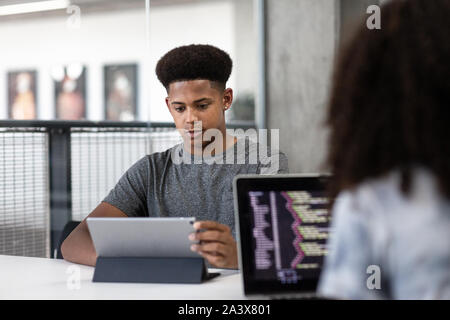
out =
column 217, row 244
column 218, row 236
column 213, row 248
column 215, row 260
column 211, row 225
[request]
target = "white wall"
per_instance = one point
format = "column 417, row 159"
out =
column 111, row 37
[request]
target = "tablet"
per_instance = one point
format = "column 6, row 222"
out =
column 142, row 237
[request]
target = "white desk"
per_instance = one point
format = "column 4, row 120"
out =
column 39, row 278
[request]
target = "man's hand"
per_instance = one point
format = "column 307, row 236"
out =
column 217, row 245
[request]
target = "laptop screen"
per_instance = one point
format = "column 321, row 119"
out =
column 283, row 229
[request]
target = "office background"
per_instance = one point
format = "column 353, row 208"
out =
column 53, row 170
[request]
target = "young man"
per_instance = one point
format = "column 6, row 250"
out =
column 174, row 183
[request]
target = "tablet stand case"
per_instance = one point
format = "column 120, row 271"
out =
column 151, row 270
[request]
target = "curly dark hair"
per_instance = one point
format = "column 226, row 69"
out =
column 192, row 62
column 390, row 101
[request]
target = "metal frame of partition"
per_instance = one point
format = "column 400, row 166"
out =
column 59, row 157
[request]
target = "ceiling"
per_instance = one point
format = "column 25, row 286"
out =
column 108, row 3
column 89, row 6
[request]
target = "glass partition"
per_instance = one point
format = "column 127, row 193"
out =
column 80, row 101
column 95, row 59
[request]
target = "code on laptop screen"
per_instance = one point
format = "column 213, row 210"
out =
column 290, row 230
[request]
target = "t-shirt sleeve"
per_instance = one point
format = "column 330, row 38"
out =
column 345, row 271
column 130, row 193
column 277, row 163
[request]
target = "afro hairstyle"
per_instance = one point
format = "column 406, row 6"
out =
column 194, row 62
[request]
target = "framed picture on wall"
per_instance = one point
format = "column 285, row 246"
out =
column 70, row 92
column 22, row 100
column 120, row 92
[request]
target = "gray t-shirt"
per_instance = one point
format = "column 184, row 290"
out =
column 173, row 184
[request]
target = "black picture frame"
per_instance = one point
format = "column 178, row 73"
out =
column 120, row 92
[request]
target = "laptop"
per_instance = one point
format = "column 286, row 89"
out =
column 282, row 226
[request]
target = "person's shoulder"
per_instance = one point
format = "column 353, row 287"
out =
column 270, row 158
column 163, row 156
column 368, row 195
column 154, row 159
column 388, row 186
column 384, row 195
column 141, row 162
column 264, row 148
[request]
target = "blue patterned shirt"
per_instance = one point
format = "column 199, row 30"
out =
column 385, row 245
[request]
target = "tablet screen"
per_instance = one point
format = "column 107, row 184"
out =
column 142, row 237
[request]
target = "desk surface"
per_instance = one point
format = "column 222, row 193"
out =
column 40, row 278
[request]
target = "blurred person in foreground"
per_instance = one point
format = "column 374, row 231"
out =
column 389, row 118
